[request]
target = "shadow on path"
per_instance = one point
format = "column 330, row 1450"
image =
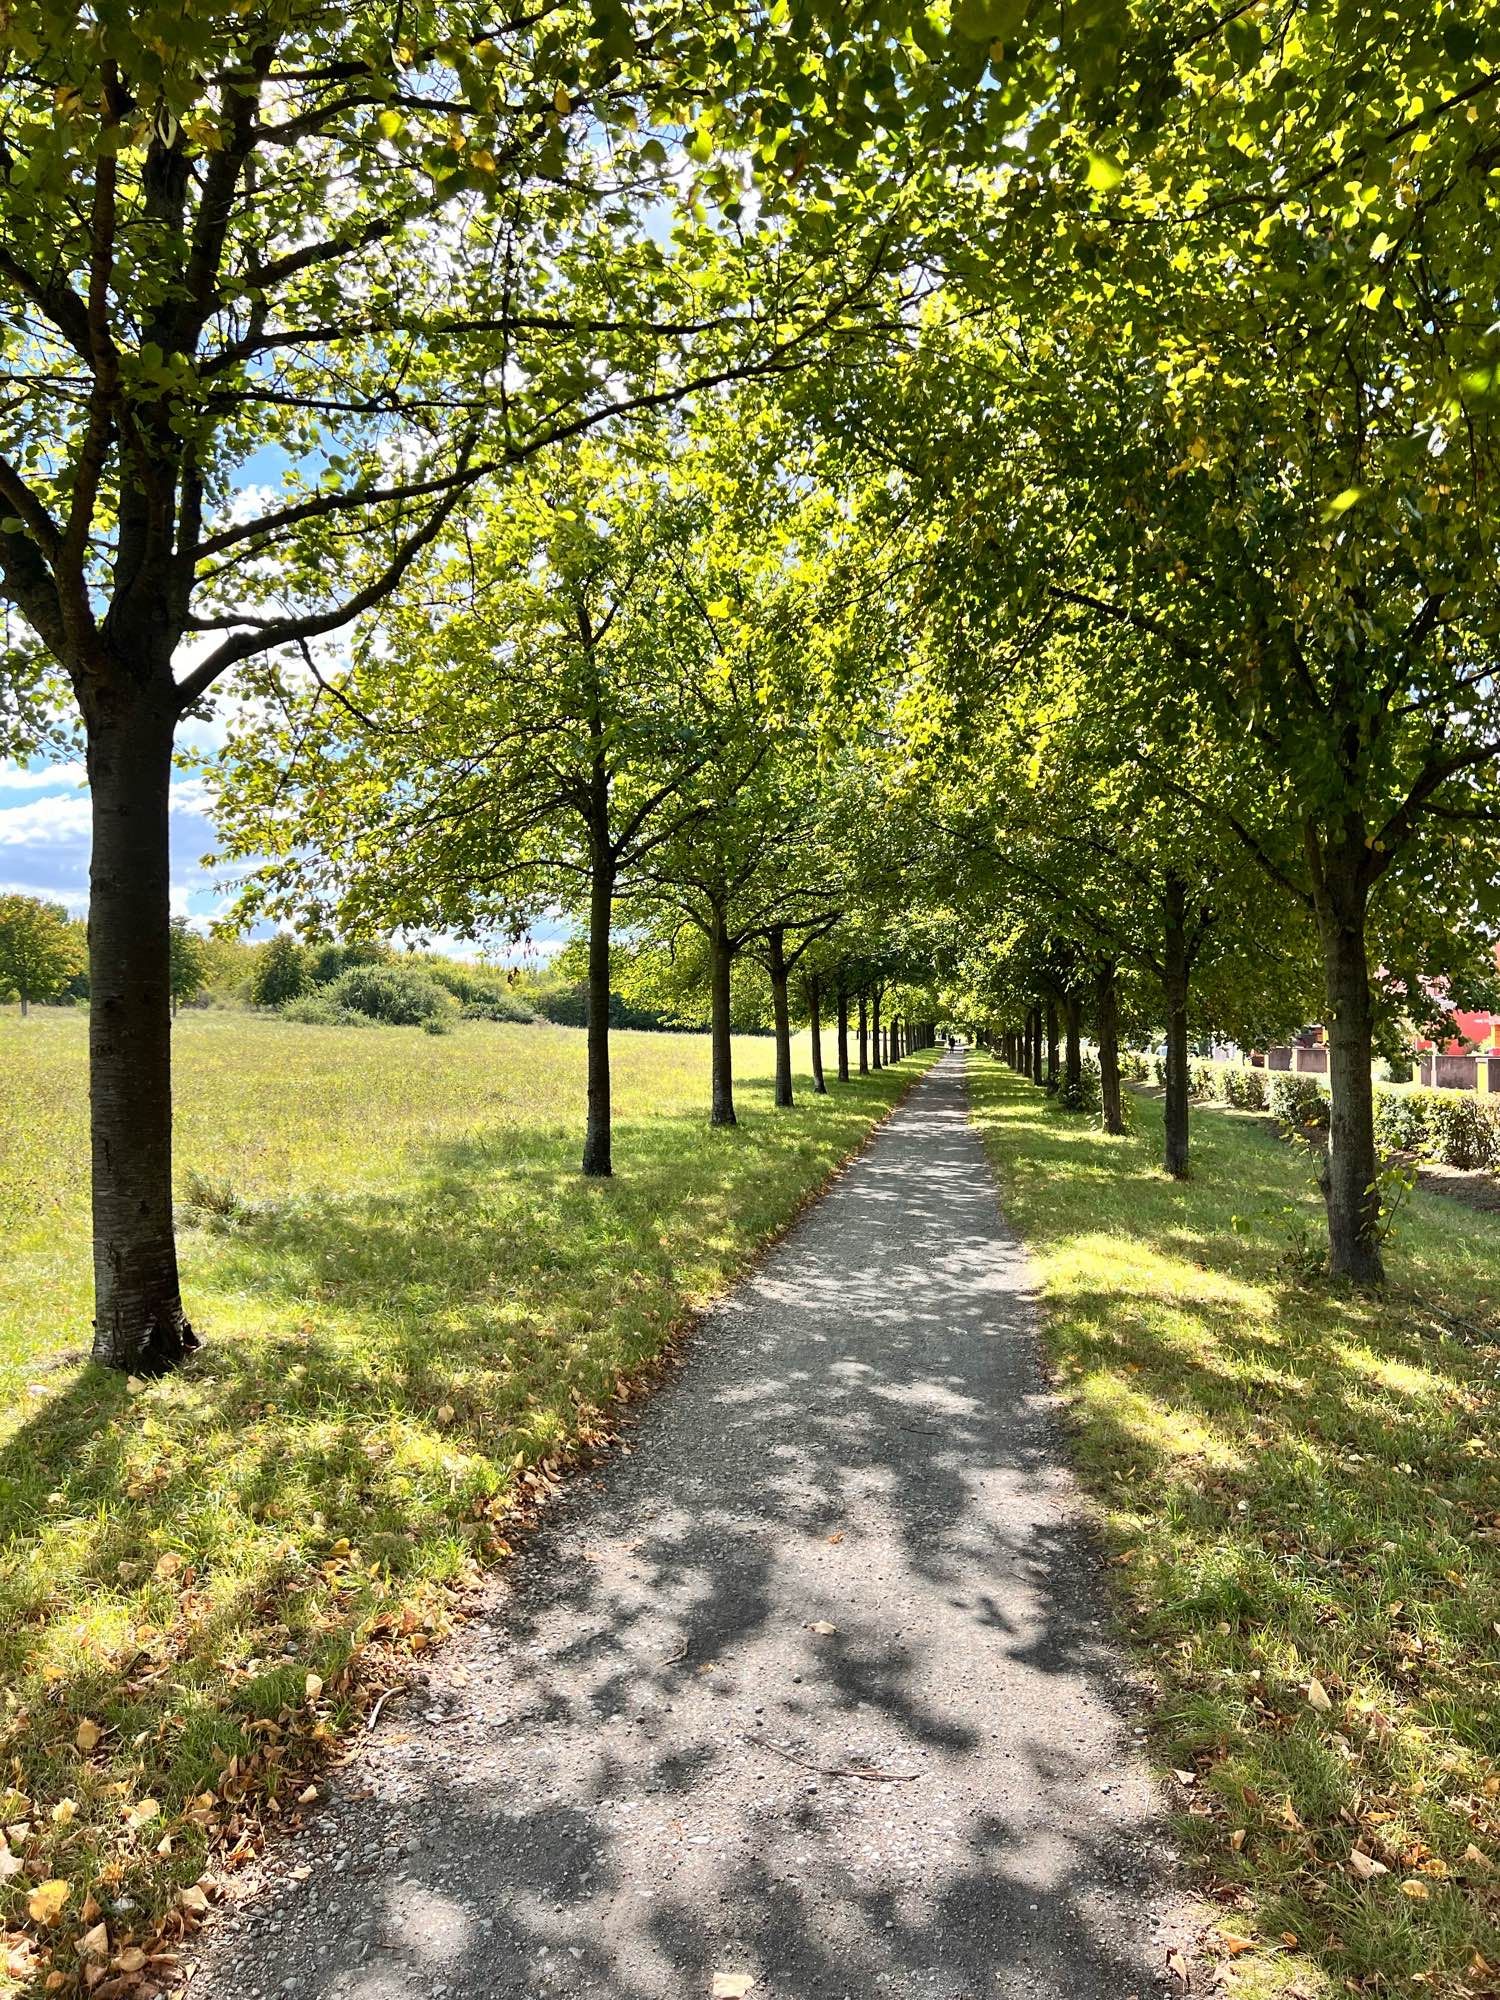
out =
column 842, row 1541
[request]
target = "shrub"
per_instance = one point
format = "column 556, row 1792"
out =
column 316, row 1010
column 1135, row 1065
column 1401, row 1120
column 1461, row 1130
column 1299, row 1103
column 1203, row 1080
column 437, row 1024
column 1398, row 1069
column 1084, row 1095
column 498, row 1007
column 1159, row 1068
column 1242, row 1087
column 396, row 994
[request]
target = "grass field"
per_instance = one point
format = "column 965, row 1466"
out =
column 1299, row 1490
column 414, row 1309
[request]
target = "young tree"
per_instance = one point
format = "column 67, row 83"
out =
column 280, row 972
column 38, row 951
column 190, row 962
column 281, row 285
column 526, row 727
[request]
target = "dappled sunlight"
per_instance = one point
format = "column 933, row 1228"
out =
column 1299, row 1486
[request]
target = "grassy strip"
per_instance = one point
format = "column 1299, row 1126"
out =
column 1299, row 1491
column 416, row 1313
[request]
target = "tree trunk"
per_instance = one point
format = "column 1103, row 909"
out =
column 875, row 1040
column 1111, row 1104
column 843, row 1035
column 815, row 1019
column 25, row 1001
column 1349, row 1171
column 721, row 1057
column 1054, row 1076
column 139, row 1323
column 864, row 1038
column 782, row 1015
column 1175, row 992
column 597, row 1160
column 1072, row 1042
column 1038, row 1074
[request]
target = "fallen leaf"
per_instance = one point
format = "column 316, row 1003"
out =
column 87, row 1736
column 142, row 1815
column 132, row 1959
column 1177, row 1965
column 1478, row 1860
column 309, row 1797
column 1235, row 1945
column 838, row 1537
column 1186, row 1777
column 65, row 1812
column 94, row 1943
column 1317, row 1696
column 731, row 1985
column 314, row 1686
column 193, row 1900
column 169, row 1564
column 10, row 1864
column 823, row 1628
column 1237, row 1839
column 1418, row 1891
column 1365, row 1866
column 48, row 1900
column 446, row 1413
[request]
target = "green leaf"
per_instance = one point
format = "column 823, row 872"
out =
column 1342, row 502
column 989, row 20
column 1104, row 173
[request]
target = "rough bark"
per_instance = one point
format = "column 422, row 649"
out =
column 843, row 1035
column 1349, row 1171
column 139, row 1322
column 815, row 1022
column 721, row 1058
column 864, row 1037
column 1111, row 1103
column 1175, row 967
column 782, row 1016
column 597, row 1157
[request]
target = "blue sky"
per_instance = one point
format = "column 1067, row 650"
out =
column 44, row 835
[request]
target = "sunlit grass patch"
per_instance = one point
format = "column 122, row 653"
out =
column 1299, row 1491
column 414, row 1309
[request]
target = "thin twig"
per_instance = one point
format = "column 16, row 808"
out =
column 867, row 1772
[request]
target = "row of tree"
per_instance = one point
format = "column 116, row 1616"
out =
column 1049, row 442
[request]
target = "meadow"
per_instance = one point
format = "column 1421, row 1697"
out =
column 1298, row 1489
column 416, row 1315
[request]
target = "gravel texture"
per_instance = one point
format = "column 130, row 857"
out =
column 813, row 1685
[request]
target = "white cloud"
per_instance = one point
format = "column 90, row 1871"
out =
column 45, row 822
column 39, row 777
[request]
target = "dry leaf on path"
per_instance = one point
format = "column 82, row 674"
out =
column 731, row 1985
column 823, row 1628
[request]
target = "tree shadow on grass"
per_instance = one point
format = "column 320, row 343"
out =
column 844, row 1542
column 377, row 1370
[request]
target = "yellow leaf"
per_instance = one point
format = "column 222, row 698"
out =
column 1104, row 173
column 731, row 1985
column 64, row 1812
column 142, row 1815
column 562, row 99
column 1418, row 1891
column 47, row 1901
column 87, row 1736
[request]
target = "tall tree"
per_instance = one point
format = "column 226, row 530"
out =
column 38, row 950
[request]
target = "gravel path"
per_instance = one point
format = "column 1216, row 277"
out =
column 842, row 1545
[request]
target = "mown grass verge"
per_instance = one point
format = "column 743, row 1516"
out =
column 415, row 1314
column 1299, row 1490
